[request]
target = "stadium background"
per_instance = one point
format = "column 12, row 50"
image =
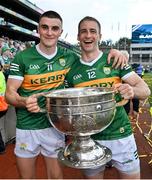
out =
column 19, row 21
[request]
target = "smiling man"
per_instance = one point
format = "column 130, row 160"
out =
column 92, row 70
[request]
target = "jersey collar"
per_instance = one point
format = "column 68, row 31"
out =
column 46, row 55
column 93, row 61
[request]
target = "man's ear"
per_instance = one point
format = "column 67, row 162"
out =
column 61, row 31
column 100, row 37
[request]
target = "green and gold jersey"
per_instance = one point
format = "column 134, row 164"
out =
column 101, row 74
column 39, row 74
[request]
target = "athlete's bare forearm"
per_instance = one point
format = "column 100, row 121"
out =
column 11, row 94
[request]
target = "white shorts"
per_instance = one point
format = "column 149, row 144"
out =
column 124, row 156
column 30, row 143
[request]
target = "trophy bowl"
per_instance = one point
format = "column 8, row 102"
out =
column 82, row 112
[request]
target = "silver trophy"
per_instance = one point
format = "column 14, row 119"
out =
column 82, row 112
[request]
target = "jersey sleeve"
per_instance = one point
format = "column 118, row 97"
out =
column 126, row 72
column 17, row 67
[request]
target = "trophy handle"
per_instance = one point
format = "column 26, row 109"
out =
column 43, row 110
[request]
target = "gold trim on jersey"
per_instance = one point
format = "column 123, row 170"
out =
column 103, row 82
column 44, row 81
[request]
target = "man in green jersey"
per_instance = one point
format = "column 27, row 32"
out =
column 92, row 70
column 38, row 69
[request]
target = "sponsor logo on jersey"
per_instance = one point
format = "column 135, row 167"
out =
column 62, row 62
column 34, row 66
column 44, row 81
column 103, row 82
column 107, row 70
column 49, row 79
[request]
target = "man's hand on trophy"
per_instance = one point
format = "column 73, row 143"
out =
column 32, row 103
column 125, row 90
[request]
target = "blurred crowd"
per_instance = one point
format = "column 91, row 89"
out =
column 8, row 49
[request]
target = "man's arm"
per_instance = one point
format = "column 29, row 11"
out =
column 13, row 98
column 134, row 87
column 120, row 58
column 11, row 95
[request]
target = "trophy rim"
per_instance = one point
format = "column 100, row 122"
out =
column 56, row 93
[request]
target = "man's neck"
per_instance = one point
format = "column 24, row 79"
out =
column 45, row 50
column 90, row 56
column 46, row 55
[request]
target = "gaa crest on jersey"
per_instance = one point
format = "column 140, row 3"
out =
column 106, row 70
column 62, row 61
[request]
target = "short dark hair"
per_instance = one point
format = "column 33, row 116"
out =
column 51, row 14
column 89, row 18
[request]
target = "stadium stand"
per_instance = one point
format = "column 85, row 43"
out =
column 19, row 20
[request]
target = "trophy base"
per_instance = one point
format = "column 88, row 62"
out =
column 99, row 156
